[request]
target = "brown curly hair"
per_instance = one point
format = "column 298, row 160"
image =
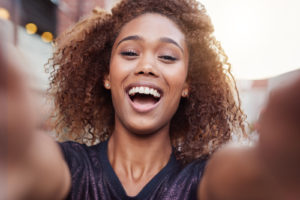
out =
column 84, row 110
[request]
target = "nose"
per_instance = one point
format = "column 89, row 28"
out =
column 147, row 66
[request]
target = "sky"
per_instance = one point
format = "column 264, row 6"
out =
column 260, row 37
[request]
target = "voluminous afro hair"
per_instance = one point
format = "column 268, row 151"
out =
column 84, row 112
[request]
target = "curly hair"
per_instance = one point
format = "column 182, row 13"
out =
column 84, row 111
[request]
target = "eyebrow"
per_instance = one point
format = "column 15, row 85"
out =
column 163, row 39
column 169, row 40
column 132, row 37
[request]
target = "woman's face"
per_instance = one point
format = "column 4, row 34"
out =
column 148, row 70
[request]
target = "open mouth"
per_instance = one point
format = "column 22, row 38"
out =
column 144, row 98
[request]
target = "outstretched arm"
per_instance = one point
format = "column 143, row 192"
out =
column 270, row 170
column 31, row 164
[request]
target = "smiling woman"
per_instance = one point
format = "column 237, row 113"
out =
column 148, row 83
column 171, row 51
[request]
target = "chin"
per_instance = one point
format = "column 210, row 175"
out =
column 146, row 129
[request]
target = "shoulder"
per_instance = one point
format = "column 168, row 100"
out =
column 86, row 167
column 193, row 172
column 195, row 168
column 75, row 147
column 72, row 147
column 183, row 181
column 77, row 154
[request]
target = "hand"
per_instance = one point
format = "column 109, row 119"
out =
column 279, row 128
column 18, row 118
column 32, row 161
column 269, row 170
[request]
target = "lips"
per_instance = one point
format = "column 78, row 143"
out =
column 144, row 97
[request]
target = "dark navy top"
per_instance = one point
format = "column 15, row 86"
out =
column 93, row 178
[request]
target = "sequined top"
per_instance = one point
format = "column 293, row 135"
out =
column 93, row 177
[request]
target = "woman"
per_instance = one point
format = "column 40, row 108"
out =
column 147, row 78
column 150, row 82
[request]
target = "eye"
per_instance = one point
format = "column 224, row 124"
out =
column 167, row 58
column 129, row 53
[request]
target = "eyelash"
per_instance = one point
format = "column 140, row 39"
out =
column 169, row 58
column 131, row 53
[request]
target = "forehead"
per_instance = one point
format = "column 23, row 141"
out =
column 152, row 26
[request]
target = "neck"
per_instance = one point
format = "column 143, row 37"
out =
column 135, row 151
column 135, row 158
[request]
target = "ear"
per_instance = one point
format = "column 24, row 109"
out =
column 185, row 90
column 106, row 82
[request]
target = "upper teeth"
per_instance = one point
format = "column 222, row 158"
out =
column 144, row 90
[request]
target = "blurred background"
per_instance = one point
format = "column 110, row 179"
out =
column 261, row 38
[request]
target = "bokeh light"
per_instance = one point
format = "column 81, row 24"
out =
column 31, row 28
column 47, row 37
column 4, row 14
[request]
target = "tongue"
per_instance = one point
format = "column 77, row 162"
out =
column 144, row 101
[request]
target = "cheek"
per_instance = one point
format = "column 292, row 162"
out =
column 176, row 76
column 176, row 79
column 118, row 70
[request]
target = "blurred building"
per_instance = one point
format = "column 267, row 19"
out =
column 33, row 24
column 70, row 11
column 52, row 15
